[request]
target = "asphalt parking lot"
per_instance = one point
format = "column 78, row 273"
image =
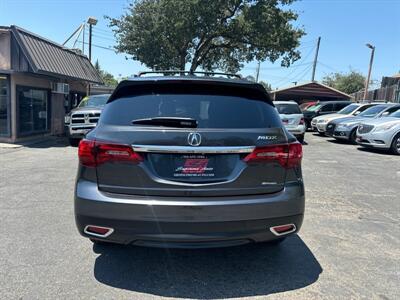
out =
column 348, row 247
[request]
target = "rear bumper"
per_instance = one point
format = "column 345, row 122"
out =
column 297, row 130
column 188, row 222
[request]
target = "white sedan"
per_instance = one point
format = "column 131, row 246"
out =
column 383, row 133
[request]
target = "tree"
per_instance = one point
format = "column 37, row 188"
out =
column 266, row 85
column 107, row 78
column 169, row 34
column 346, row 82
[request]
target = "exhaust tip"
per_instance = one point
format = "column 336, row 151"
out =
column 283, row 229
column 98, row 231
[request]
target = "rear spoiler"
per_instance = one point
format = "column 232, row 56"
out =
column 140, row 86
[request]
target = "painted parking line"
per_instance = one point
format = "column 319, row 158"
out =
column 327, row 161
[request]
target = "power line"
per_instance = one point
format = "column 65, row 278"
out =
column 104, row 38
column 104, row 30
column 329, row 67
column 98, row 46
column 294, row 71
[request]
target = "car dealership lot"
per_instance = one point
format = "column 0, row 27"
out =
column 348, row 247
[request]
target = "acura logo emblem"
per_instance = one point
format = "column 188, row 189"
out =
column 194, row 139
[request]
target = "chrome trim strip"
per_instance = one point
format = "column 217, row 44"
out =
column 283, row 233
column 190, row 149
column 111, row 230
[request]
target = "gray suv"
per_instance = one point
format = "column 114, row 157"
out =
column 189, row 161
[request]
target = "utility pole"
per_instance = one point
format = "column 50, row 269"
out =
column 369, row 70
column 315, row 60
column 258, row 71
column 91, row 21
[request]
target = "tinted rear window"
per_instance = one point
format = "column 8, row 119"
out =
column 211, row 111
column 288, row 109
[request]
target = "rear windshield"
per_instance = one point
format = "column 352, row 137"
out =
column 210, row 111
column 288, row 109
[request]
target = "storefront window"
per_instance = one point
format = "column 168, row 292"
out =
column 33, row 110
column 4, row 106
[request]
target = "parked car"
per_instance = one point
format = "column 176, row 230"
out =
column 345, row 128
column 194, row 162
column 79, row 121
column 323, row 108
column 306, row 105
column 350, row 110
column 381, row 133
column 292, row 118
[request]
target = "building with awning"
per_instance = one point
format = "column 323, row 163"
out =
column 309, row 91
column 39, row 81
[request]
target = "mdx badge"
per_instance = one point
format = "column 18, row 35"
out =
column 194, row 139
column 267, row 137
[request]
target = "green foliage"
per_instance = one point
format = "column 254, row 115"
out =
column 108, row 78
column 266, row 85
column 348, row 83
column 168, row 34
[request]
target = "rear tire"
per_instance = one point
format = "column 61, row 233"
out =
column 74, row 142
column 300, row 138
column 395, row 147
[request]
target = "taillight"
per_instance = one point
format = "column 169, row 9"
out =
column 302, row 121
column 287, row 156
column 94, row 153
column 86, row 153
column 295, row 154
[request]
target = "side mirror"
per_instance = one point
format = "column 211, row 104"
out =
column 357, row 113
column 385, row 114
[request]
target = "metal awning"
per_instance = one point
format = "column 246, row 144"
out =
column 309, row 91
column 49, row 58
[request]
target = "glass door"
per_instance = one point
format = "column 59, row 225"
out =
column 34, row 110
column 4, row 106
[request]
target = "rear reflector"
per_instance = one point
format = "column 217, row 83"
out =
column 94, row 153
column 287, row 156
column 283, row 229
column 98, row 231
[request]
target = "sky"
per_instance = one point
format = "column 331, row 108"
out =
column 345, row 26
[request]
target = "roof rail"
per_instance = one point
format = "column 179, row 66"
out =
column 183, row 72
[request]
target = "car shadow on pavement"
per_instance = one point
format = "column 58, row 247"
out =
column 250, row 270
column 376, row 151
column 44, row 142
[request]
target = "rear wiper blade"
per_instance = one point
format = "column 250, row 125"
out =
column 168, row 122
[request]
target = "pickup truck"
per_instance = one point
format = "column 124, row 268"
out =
column 84, row 117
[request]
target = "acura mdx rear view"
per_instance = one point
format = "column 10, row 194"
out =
column 184, row 161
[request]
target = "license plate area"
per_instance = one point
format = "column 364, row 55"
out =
column 193, row 168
